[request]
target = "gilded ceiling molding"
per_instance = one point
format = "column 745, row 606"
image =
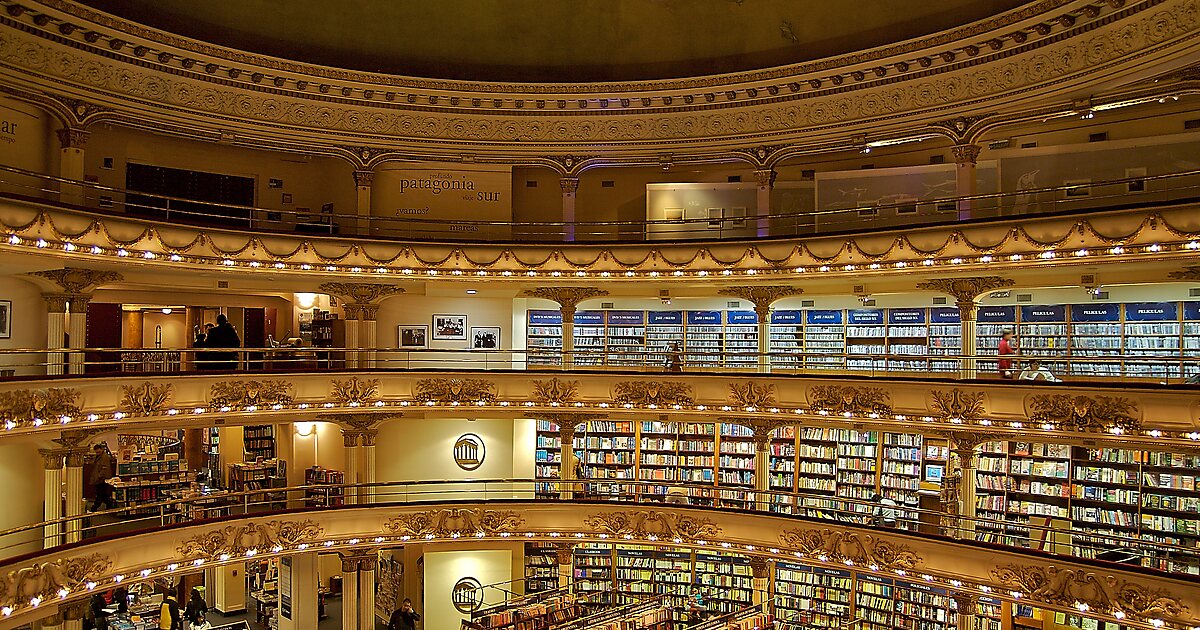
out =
column 654, row 523
column 751, row 395
column 145, row 399
column 355, row 392
column 251, row 393
column 957, row 405
column 77, row 280
column 660, row 393
column 568, row 298
column 360, row 292
column 454, row 390
column 837, row 399
column 554, row 392
column 966, row 290
column 1084, row 413
column 44, row 581
column 761, row 296
column 864, row 550
column 236, row 540
column 32, row 404
column 1191, row 272
column 452, row 522
column 1100, row 593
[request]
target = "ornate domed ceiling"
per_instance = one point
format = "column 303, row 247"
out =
column 555, row 41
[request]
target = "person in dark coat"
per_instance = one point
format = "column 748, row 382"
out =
column 103, row 469
column 404, row 618
column 223, row 336
column 196, row 609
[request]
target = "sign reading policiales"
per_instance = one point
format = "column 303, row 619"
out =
column 434, row 199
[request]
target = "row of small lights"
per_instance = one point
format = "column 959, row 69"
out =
column 278, row 550
column 10, row 425
column 1050, row 254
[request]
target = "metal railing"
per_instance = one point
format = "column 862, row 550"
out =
column 1138, row 546
column 1169, row 366
column 1109, row 194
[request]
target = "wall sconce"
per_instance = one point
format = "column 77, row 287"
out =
column 306, row 300
column 305, row 429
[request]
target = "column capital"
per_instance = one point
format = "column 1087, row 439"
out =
column 765, row 177
column 368, row 437
column 762, row 297
column 368, row 312
column 966, row 602
column 52, row 458
column 563, row 552
column 351, row 311
column 349, row 438
column 74, row 280
column 359, row 293
column 568, row 298
column 75, row 610
column 57, row 302
column 72, row 137
column 349, row 563
column 966, row 290
column 568, row 185
column 364, row 179
column 760, row 569
column 75, row 457
column 965, row 153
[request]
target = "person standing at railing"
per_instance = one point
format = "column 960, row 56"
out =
column 1007, row 347
column 200, row 340
column 224, row 335
column 103, row 469
column 675, row 358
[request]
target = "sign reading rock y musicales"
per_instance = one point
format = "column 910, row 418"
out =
column 440, row 197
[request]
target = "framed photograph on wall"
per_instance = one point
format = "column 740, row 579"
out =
column 5, row 319
column 485, row 337
column 414, row 336
column 450, row 327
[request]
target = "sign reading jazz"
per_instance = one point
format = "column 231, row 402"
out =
column 433, row 200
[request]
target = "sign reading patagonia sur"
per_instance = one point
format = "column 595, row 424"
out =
column 442, row 197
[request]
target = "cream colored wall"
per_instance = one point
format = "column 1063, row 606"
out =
column 419, row 310
column 322, row 446
column 26, row 144
column 174, row 332
column 21, row 477
column 28, row 326
column 444, row 568
column 420, row 449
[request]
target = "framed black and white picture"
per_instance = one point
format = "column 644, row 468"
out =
column 485, row 337
column 450, row 327
column 414, row 337
column 5, row 319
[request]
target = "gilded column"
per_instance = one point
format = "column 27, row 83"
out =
column 366, row 592
column 965, row 292
column 568, row 299
column 368, row 334
column 74, row 496
column 763, row 313
column 766, row 183
column 71, row 142
column 52, row 477
column 965, row 450
column 363, row 180
column 563, row 553
column 569, row 187
column 369, row 476
column 350, row 605
column 965, row 158
column 762, row 469
column 566, row 459
column 56, row 330
column 966, row 604
column 352, row 312
column 762, row 570
column 77, row 329
column 762, row 297
column 350, row 441
column 361, row 302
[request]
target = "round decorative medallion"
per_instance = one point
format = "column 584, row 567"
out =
column 467, row 595
column 469, row 451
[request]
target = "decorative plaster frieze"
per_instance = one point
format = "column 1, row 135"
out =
column 660, row 393
column 666, row 526
column 839, row 400
column 31, row 404
column 250, row 393
column 453, row 522
column 454, row 390
column 1090, row 590
column 235, row 540
column 145, row 399
column 853, row 548
column 555, row 392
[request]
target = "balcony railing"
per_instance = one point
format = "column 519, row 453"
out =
column 1165, row 189
column 1145, row 549
column 1166, row 368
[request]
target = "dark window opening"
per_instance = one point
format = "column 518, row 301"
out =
column 221, row 192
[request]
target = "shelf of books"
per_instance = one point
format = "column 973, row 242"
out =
column 824, row 333
column 589, row 338
column 787, row 339
column 781, row 465
column 704, row 339
column 741, row 339
column 727, row 581
column 1191, row 336
column 323, row 487
column 1095, row 331
column 625, row 338
column 150, row 479
column 991, row 504
column 1038, row 484
column 989, row 613
column 664, row 329
column 1153, row 329
column 543, row 337
column 607, row 450
column 1042, row 332
column 546, row 457
column 990, row 323
column 658, row 454
column 857, row 461
column 920, row 606
column 697, row 453
column 907, row 337
column 592, row 573
column 735, row 467
column 541, row 567
column 873, row 602
column 259, row 442
column 599, row 570
column 945, row 338
column 900, row 473
column 812, row 597
column 866, row 340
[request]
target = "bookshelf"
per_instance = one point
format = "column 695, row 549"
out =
column 658, row 453
column 945, row 338
column 148, row 480
column 741, row 339
column 900, row 473
column 541, row 567
column 329, row 333
column 1095, row 331
column 989, row 613
column 608, row 452
column 787, row 339
column 257, row 476
column 704, row 339
column 1191, row 336
column 990, row 323
column 735, row 466
column 726, row 580
column 625, row 338
column 258, row 442
column 857, row 461
column 697, row 448
column 813, row 597
column 543, row 337
column 321, row 490
column 592, row 570
column 1153, row 329
column 589, row 338
column 824, row 333
column 546, row 457
column 907, row 334
column 663, row 329
column 922, row 607
column 866, row 340
column 781, row 465
column 1042, row 332
column 873, row 602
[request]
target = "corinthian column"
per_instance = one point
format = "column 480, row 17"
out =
column 74, row 493
column 965, row 158
column 363, row 180
column 71, row 141
column 56, row 324
column 765, row 179
column 569, row 186
column 360, row 302
column 762, row 297
column 52, row 474
column 77, row 329
column 965, row 292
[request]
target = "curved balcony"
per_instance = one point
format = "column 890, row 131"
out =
column 184, row 536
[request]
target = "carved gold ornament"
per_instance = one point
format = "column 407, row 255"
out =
column 355, row 391
column 31, row 404
column 840, row 546
column 839, row 399
column 236, row 540
column 45, row 580
column 145, row 399
column 75, row 280
column 966, row 290
column 250, row 393
column 555, row 391
column 454, row 390
column 956, row 405
column 450, row 522
column 1085, row 413
column 762, row 297
column 359, row 292
column 568, row 298
column 653, row 523
column 653, row 393
column 1190, row 272
column 752, row 395
column 1100, row 593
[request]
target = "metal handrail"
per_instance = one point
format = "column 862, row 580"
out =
column 558, row 231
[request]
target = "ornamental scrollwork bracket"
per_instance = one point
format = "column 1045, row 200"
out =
column 1102, row 594
column 653, row 524
column 751, row 395
column 839, row 399
column 450, row 522
column 145, row 399
column 555, row 392
column 250, row 393
column 653, row 393
column 838, row 546
column 1085, row 413
column 236, row 540
column 956, row 404
column 354, row 391
column 454, row 390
